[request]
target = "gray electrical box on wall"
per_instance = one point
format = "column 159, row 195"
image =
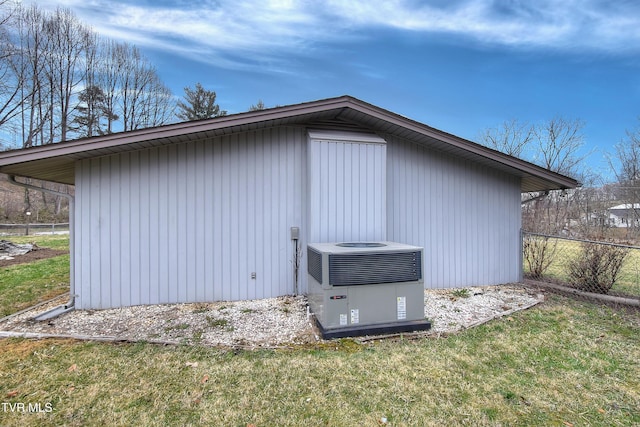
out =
column 295, row 233
column 366, row 288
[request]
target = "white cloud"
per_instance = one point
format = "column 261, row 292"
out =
column 267, row 30
column 586, row 24
column 215, row 31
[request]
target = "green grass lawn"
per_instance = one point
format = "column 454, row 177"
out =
column 53, row 241
column 562, row 363
column 24, row 285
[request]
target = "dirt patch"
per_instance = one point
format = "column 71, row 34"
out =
column 33, row 255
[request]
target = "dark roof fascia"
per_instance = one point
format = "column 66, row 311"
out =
column 118, row 141
column 480, row 150
column 166, row 131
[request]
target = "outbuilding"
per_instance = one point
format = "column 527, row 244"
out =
column 223, row 208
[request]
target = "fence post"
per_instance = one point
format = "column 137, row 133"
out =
column 28, row 222
column 521, row 257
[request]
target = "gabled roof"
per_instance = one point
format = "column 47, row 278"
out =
column 56, row 162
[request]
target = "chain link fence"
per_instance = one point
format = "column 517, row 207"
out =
column 587, row 266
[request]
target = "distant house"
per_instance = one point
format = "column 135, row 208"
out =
column 214, row 209
column 624, row 216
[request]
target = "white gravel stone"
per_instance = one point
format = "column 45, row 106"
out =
column 272, row 322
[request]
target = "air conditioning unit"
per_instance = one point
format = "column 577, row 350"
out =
column 366, row 288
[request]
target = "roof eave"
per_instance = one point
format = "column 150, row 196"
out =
column 534, row 178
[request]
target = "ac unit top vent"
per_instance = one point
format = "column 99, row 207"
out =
column 363, row 263
column 361, row 245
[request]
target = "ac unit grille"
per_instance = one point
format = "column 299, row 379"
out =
column 314, row 264
column 372, row 268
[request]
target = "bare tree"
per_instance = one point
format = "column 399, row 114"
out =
column 70, row 41
column 554, row 145
column 145, row 101
column 59, row 80
column 558, row 144
column 557, row 148
column 628, row 156
column 86, row 118
column 625, row 164
column 52, row 48
column 37, row 108
column 107, row 76
column 10, row 72
column 511, row 137
column 157, row 102
column 588, row 208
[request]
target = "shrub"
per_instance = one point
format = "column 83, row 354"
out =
column 598, row 267
column 538, row 253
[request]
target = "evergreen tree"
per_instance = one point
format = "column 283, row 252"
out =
column 90, row 112
column 258, row 106
column 198, row 104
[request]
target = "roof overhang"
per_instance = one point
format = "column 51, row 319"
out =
column 56, row 162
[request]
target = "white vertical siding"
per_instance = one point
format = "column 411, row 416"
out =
column 466, row 216
column 347, row 190
column 191, row 222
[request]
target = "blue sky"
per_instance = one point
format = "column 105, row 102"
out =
column 460, row 66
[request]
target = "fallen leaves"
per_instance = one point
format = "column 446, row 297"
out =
column 12, row 393
column 72, row 368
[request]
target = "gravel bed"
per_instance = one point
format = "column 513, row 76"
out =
column 454, row 309
column 272, row 322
